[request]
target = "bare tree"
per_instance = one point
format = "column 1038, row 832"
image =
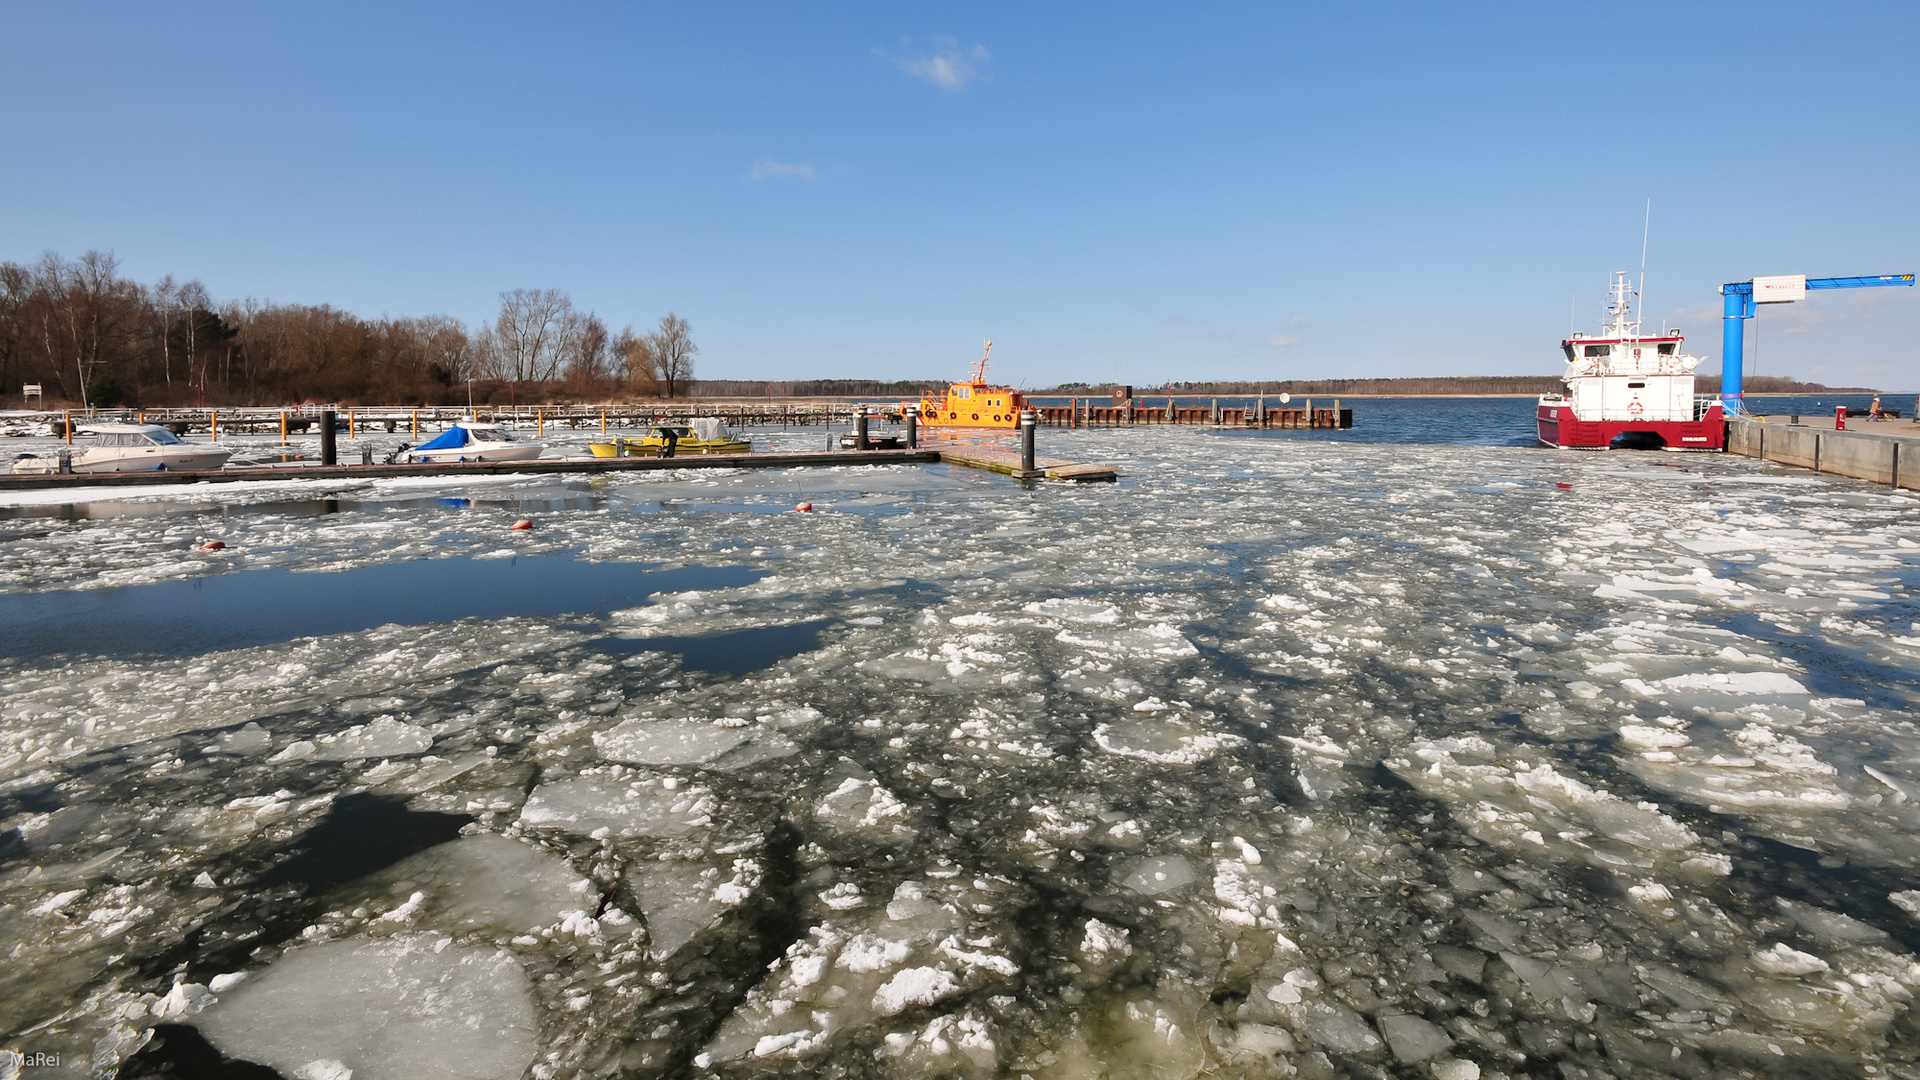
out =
column 672, row 349
column 587, row 362
column 635, row 351
column 534, row 334
column 163, row 294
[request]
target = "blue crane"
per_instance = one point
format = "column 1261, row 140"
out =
column 1743, row 298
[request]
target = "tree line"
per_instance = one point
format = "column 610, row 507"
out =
column 89, row 336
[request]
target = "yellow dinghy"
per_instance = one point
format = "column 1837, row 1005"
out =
column 706, row 435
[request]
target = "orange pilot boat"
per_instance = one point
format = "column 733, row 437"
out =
column 973, row 404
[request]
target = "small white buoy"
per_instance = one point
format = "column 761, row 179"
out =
column 1284, row 398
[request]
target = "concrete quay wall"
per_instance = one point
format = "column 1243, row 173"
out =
column 1892, row 460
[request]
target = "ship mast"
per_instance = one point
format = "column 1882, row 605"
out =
column 980, row 369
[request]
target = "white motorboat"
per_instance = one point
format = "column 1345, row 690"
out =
column 120, row 448
column 471, row 442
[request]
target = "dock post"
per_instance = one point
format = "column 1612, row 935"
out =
column 69, row 423
column 860, row 428
column 539, row 423
column 603, row 421
column 66, row 460
column 1073, row 413
column 1028, row 421
column 1309, row 412
column 913, row 427
column 1336, row 414
column 327, row 455
column 416, row 425
column 213, row 422
column 283, row 427
column 353, row 426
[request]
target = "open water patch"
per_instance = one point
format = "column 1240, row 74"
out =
column 733, row 652
column 255, row 607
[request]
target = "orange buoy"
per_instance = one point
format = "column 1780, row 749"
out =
column 522, row 525
column 213, row 545
column 805, row 508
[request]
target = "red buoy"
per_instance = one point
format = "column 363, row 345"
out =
column 522, row 525
column 1564, row 487
column 805, row 508
column 213, row 545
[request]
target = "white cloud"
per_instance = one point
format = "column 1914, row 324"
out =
column 774, row 170
column 1282, row 341
column 950, row 67
column 1298, row 321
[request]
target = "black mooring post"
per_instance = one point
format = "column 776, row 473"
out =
column 1027, row 423
column 913, row 427
column 860, row 429
column 327, row 455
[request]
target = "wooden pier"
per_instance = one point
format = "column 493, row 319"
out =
column 1132, row 411
column 976, row 457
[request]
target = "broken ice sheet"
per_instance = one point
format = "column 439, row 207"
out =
column 410, row 1007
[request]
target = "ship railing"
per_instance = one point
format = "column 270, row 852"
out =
column 1702, row 403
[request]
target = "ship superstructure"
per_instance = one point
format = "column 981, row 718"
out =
column 1624, row 389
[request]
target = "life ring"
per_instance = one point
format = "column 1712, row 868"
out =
column 1636, row 354
column 1634, row 408
column 976, row 416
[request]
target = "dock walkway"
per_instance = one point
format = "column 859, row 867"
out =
column 997, row 460
column 1879, row 451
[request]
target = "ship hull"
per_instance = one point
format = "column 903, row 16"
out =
column 1559, row 428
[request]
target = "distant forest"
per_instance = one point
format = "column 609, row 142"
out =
column 89, row 336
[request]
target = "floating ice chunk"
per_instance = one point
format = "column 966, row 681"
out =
column 49, row 905
column 222, row 983
column 489, row 880
column 1782, row 960
column 668, row 742
column 1831, row 927
column 1454, row 1069
column 865, row 953
column 842, row 897
column 860, row 803
column 1412, row 1039
column 1075, row 610
column 1649, row 737
column 1103, row 942
column 1907, row 900
column 386, row 737
column 679, row 900
column 1737, row 683
column 298, row 750
column 249, row 740
column 413, row 1007
column 640, row 808
column 1248, row 853
column 185, row 999
column 1165, row 742
column 1336, row 1027
column 1158, row 874
column 323, row 1069
column 1159, row 641
column 914, row 986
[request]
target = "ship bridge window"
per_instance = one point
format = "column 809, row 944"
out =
column 1666, row 348
column 1636, row 386
column 1598, row 350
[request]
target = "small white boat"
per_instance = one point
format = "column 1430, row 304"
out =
column 468, row 442
column 121, row 448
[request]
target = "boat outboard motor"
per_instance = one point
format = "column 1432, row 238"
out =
column 398, row 451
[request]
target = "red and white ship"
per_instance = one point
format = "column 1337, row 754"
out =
column 1625, row 390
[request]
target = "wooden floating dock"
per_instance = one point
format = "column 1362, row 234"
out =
column 1133, row 411
column 996, row 460
column 1008, row 462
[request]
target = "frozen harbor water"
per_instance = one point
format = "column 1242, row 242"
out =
column 1284, row 757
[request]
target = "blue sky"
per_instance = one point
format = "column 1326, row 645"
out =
column 1109, row 191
